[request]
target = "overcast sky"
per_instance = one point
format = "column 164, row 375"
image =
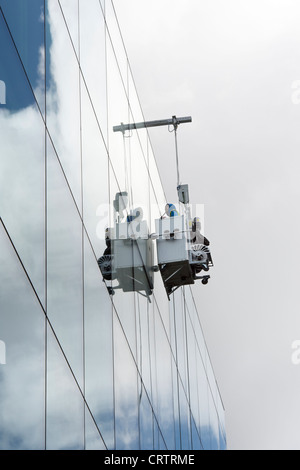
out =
column 234, row 66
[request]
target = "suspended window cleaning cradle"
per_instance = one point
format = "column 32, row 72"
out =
column 182, row 251
column 128, row 258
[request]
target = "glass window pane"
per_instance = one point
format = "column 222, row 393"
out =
column 93, row 60
column 98, row 337
column 27, row 30
column 146, row 422
column 93, row 437
column 64, row 265
column 22, row 163
column 70, row 14
column 63, row 94
column 163, row 404
column 65, row 406
column 95, row 172
column 114, row 38
column 126, row 392
column 22, row 376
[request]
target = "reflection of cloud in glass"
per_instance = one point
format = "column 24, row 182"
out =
column 21, row 186
column 22, row 379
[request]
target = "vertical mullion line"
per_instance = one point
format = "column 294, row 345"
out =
column 82, row 223
column 139, row 364
column 150, row 371
column 135, row 294
column 150, row 215
column 149, row 189
column 198, row 394
column 188, row 367
column 172, row 375
column 156, row 374
column 45, row 227
column 177, row 372
column 109, row 217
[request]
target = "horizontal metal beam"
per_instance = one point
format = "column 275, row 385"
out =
column 141, row 125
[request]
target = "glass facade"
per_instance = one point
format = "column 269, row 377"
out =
column 81, row 368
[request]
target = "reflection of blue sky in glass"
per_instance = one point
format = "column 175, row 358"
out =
column 27, row 29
